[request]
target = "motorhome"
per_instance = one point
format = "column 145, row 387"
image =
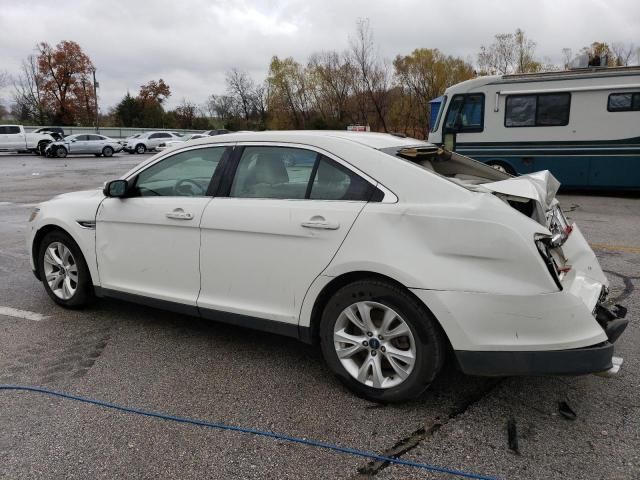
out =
column 583, row 125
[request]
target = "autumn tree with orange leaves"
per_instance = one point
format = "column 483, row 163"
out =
column 66, row 83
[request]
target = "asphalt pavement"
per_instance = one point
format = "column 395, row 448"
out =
column 150, row 359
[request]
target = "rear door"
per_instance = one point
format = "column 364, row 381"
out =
column 158, row 138
column 283, row 216
column 95, row 143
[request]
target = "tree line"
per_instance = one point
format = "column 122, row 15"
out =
column 330, row 90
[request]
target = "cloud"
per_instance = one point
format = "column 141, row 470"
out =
column 192, row 43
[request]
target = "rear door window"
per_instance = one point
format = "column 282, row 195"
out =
column 273, row 172
column 332, row 181
column 296, row 174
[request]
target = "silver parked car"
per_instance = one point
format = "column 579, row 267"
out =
column 83, row 144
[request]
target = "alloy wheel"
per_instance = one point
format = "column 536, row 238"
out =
column 374, row 344
column 61, row 270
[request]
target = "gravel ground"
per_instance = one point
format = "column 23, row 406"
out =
column 155, row 360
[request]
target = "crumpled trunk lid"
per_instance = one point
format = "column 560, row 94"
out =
column 576, row 265
column 541, row 187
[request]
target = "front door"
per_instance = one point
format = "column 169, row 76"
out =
column 283, row 218
column 79, row 144
column 149, row 243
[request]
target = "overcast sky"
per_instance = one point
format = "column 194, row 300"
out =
column 192, row 43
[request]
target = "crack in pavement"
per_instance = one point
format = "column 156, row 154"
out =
column 421, row 434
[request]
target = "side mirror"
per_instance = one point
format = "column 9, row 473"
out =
column 73, row 140
column 116, row 188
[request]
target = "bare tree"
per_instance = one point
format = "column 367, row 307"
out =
column 509, row 53
column 333, row 75
column 567, row 56
column 4, row 79
column 623, row 53
column 29, row 95
column 242, row 87
column 373, row 76
column 222, row 107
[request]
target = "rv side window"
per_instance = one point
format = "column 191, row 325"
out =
column 624, row 102
column 466, row 113
column 543, row 110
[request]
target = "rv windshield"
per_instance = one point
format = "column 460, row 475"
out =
column 436, row 124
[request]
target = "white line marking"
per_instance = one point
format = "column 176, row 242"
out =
column 26, row 314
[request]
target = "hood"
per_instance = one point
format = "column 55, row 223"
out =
column 541, row 187
column 82, row 195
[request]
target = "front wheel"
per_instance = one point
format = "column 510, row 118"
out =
column 381, row 342
column 42, row 146
column 61, row 152
column 107, row 151
column 64, row 271
column 140, row 148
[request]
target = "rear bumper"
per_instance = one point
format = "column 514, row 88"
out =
column 577, row 361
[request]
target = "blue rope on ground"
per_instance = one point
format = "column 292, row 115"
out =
column 277, row 436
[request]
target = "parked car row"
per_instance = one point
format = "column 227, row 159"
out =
column 52, row 142
column 157, row 141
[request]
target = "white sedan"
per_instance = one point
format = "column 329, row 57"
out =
column 386, row 251
column 179, row 141
column 83, row 144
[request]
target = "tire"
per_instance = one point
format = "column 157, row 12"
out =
column 425, row 341
column 107, row 151
column 141, row 148
column 61, row 152
column 502, row 167
column 72, row 286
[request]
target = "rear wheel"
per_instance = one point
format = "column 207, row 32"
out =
column 107, row 151
column 61, row 152
column 380, row 341
column 64, row 271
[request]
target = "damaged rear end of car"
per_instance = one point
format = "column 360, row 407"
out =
column 567, row 329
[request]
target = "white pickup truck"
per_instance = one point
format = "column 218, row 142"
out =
column 13, row 138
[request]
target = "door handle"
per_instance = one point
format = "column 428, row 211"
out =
column 320, row 223
column 179, row 214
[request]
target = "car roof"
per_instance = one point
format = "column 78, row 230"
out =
column 375, row 140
